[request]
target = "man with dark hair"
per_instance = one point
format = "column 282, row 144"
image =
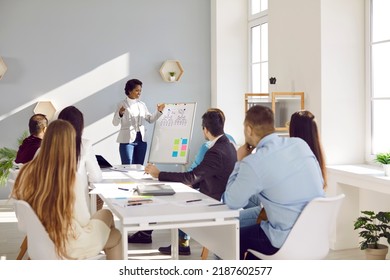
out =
column 283, row 172
column 37, row 126
column 211, row 175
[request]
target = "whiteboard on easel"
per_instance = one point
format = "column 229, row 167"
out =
column 172, row 134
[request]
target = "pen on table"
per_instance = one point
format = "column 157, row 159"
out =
column 123, row 189
column 193, row 200
column 216, row 204
column 139, row 200
column 134, row 204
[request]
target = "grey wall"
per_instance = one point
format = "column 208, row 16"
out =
column 82, row 52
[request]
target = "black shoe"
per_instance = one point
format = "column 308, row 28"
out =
column 139, row 237
column 183, row 250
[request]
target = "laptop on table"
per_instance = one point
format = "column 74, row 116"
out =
column 103, row 163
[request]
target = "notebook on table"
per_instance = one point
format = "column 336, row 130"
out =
column 155, row 189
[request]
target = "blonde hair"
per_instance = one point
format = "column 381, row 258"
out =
column 47, row 183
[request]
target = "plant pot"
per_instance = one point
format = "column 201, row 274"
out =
column 386, row 168
column 376, row 254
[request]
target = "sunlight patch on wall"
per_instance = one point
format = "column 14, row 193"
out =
column 83, row 86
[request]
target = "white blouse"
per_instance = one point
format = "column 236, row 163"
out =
column 133, row 120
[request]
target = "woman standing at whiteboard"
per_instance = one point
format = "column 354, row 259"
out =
column 131, row 114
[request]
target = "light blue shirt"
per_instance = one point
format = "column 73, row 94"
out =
column 202, row 151
column 286, row 175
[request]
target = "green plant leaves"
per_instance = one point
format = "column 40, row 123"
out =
column 7, row 156
column 383, row 158
column 374, row 226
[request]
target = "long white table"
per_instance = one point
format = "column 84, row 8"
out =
column 215, row 227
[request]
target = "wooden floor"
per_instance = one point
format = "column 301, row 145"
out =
column 11, row 238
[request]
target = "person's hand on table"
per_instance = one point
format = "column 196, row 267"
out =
column 152, row 170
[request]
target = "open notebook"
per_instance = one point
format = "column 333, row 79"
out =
column 155, row 189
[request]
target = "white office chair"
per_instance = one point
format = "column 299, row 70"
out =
column 309, row 237
column 40, row 246
column 13, row 173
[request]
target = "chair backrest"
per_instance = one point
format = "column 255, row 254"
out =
column 13, row 173
column 40, row 246
column 309, row 237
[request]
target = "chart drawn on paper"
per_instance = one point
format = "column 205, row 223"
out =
column 175, row 117
column 172, row 134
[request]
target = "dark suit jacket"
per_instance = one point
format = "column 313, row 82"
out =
column 211, row 175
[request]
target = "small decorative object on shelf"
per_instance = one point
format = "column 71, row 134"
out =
column 384, row 159
column 373, row 227
column 172, row 77
column 272, row 80
column 171, row 71
column 3, row 68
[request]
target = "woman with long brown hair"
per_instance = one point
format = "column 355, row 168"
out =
column 88, row 170
column 47, row 183
column 303, row 125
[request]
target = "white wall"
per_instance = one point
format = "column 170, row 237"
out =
column 295, row 48
column 317, row 46
column 229, row 62
column 343, row 80
column 82, row 53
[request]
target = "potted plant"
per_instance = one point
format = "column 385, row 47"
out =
column 373, row 227
column 172, row 77
column 384, row 159
column 7, row 157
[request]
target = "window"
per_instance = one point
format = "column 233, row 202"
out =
column 379, row 52
column 258, row 36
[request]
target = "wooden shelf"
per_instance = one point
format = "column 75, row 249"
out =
column 171, row 66
column 3, row 68
column 283, row 104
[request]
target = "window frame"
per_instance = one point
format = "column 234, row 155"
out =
column 254, row 20
column 370, row 154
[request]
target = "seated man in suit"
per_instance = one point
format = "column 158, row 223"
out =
column 211, row 175
column 37, row 126
column 203, row 149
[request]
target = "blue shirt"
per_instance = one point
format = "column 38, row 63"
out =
column 286, row 175
column 202, row 151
